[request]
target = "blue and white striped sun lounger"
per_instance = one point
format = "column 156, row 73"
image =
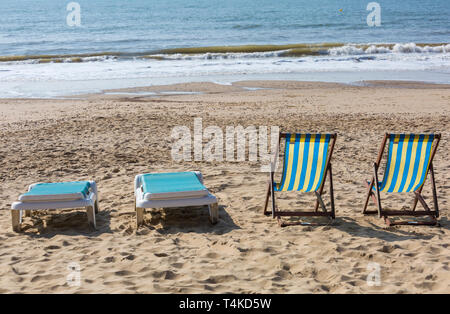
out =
column 409, row 160
column 176, row 189
column 62, row 195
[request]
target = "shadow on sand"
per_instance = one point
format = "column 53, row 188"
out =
column 47, row 224
column 389, row 234
column 188, row 219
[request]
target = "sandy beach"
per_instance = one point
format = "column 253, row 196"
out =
column 113, row 136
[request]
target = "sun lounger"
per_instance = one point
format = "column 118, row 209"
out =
column 307, row 160
column 176, row 189
column 63, row 195
column 410, row 158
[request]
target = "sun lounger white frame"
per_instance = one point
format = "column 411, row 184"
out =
column 90, row 203
column 141, row 203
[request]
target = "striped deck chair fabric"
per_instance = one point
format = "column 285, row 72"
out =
column 305, row 162
column 408, row 162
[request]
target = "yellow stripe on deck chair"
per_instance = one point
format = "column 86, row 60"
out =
column 320, row 160
column 391, row 164
column 403, row 162
column 413, row 158
column 301, row 149
column 423, row 156
column 312, row 144
column 290, row 162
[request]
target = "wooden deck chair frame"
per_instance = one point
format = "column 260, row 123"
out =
column 375, row 195
column 270, row 192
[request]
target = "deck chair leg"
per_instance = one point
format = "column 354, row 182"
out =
column 272, row 194
column 267, row 199
column 213, row 213
column 416, row 198
column 320, row 200
column 377, row 189
column 316, row 208
column 375, row 181
column 422, row 201
column 331, row 191
column 91, row 216
column 369, row 195
column 280, row 222
column 333, row 214
column 96, row 207
column 433, row 187
column 366, row 203
column 15, row 217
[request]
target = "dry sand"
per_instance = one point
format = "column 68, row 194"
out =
column 111, row 138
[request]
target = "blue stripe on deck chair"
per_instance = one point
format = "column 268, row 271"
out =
column 305, row 157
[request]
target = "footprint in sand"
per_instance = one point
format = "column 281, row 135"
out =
column 123, row 273
column 110, row 259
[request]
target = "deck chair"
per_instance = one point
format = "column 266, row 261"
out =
column 307, row 160
column 51, row 196
column 175, row 189
column 410, row 158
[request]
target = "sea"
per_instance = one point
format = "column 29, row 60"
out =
column 54, row 48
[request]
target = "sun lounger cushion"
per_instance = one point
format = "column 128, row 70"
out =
column 57, row 191
column 160, row 186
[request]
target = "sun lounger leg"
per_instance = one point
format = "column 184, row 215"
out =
column 139, row 216
column 91, row 216
column 15, row 216
column 96, row 206
column 213, row 213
